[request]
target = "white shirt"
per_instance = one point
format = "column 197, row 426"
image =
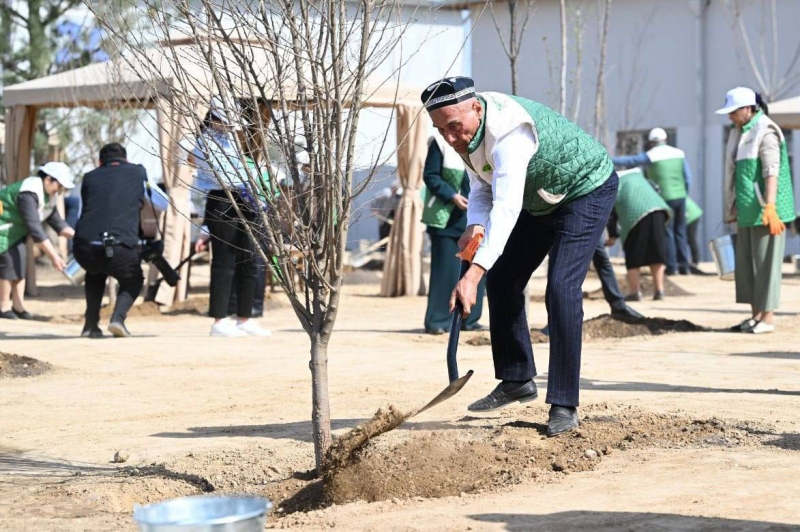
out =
column 496, row 204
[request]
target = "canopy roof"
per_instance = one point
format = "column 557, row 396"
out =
column 786, row 113
column 120, row 79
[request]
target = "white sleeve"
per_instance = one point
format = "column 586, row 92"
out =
column 480, row 200
column 510, row 156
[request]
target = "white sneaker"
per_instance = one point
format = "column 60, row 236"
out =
column 252, row 328
column 227, row 329
column 761, row 328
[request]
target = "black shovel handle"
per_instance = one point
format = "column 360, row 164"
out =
column 455, row 331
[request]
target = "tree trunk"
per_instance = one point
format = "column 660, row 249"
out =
column 600, row 104
column 512, row 44
column 38, row 49
column 320, row 403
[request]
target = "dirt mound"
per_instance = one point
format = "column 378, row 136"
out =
column 148, row 309
column 341, row 452
column 448, row 463
column 671, row 289
column 607, row 326
column 20, row 366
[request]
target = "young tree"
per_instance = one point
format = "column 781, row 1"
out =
column 516, row 32
column 603, row 16
column 772, row 82
column 293, row 75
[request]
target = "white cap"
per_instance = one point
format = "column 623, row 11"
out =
column 60, row 172
column 218, row 110
column 738, row 98
column 657, row 135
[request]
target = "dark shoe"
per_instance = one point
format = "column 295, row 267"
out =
column 474, row 327
column 91, row 332
column 746, row 326
column 658, row 295
column 257, row 313
column 636, row 296
column 562, row 419
column 9, row 315
column 625, row 311
column 504, row 394
column 118, row 329
column 22, row 314
column 670, row 273
column 697, row 271
column 683, row 271
column 436, row 331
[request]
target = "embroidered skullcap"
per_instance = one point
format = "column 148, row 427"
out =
column 448, row 91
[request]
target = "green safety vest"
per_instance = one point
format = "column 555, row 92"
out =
column 636, row 198
column 436, row 213
column 693, row 211
column 666, row 171
column 749, row 178
column 569, row 163
column 12, row 225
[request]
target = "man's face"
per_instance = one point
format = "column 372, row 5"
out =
column 458, row 123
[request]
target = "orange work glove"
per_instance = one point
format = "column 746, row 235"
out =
column 771, row 220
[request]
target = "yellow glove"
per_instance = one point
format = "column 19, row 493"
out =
column 771, row 220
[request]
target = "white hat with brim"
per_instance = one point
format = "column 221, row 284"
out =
column 738, row 98
column 657, row 134
column 60, row 172
column 218, row 111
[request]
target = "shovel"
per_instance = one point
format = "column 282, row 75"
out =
column 456, row 383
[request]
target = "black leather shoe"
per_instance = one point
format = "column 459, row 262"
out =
column 22, row 314
column 562, row 419
column 91, row 332
column 504, row 394
column 436, row 331
column 670, row 273
column 474, row 327
column 658, row 295
column 625, row 311
column 8, row 315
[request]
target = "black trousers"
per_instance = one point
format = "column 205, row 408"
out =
column 677, row 247
column 691, row 236
column 570, row 235
column 233, row 253
column 608, row 280
column 125, row 266
column 444, row 277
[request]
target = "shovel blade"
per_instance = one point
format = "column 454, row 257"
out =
column 452, row 389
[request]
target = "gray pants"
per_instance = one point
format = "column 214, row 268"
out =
column 758, row 267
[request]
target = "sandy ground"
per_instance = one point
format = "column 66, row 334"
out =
column 236, row 413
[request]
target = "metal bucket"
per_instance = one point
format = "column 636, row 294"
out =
column 74, row 272
column 204, row 514
column 724, row 256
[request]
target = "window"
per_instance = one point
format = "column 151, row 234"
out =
column 635, row 141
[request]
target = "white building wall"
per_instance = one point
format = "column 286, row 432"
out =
column 658, row 72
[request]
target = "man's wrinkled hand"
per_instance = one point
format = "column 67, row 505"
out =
column 460, row 201
column 469, row 234
column 466, row 291
column 610, row 241
column 771, row 220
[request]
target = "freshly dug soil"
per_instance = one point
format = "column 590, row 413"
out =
column 606, row 326
column 671, row 289
column 148, row 309
column 343, row 448
column 20, row 366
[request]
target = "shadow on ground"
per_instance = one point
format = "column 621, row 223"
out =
column 570, row 521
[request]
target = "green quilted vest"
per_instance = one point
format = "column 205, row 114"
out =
column 636, row 198
column 569, row 163
column 749, row 175
column 12, row 226
column 436, row 213
column 666, row 171
column 693, row 211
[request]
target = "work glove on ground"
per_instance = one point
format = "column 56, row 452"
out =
column 771, row 220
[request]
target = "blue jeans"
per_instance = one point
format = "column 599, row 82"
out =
column 677, row 243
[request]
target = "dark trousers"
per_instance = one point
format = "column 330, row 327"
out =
column 259, row 289
column 444, row 277
column 72, row 211
column 233, row 253
column 691, row 237
column 608, row 280
column 677, row 248
column 570, row 235
column 125, row 266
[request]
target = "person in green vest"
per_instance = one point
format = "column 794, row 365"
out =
column 539, row 185
column 666, row 166
column 445, row 214
column 760, row 199
column 24, row 206
column 640, row 217
column 693, row 215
